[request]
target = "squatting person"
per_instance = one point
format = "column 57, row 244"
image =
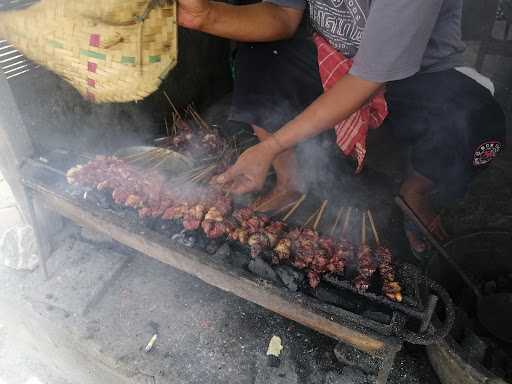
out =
column 402, row 59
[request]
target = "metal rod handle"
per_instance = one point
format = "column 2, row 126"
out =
column 412, row 215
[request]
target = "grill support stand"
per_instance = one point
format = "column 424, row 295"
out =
column 15, row 148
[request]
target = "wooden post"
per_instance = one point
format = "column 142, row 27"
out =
column 15, row 147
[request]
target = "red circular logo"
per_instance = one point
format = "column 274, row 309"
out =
column 486, row 152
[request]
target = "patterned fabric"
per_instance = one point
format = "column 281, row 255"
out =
column 350, row 133
column 340, row 22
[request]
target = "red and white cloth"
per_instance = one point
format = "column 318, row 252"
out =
column 350, row 133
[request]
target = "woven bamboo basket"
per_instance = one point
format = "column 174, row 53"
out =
column 110, row 50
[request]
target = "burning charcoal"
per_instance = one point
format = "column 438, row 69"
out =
column 184, row 239
column 223, row 253
column 212, row 247
column 241, row 259
column 102, row 200
column 262, row 269
column 167, row 227
column 201, row 240
column 189, row 240
column 290, row 277
column 267, row 256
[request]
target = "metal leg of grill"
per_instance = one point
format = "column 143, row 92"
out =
column 378, row 365
column 388, row 360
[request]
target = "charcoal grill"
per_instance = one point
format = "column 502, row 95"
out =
column 365, row 321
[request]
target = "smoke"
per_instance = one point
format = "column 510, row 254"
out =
column 56, row 116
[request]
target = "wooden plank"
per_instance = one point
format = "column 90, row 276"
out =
column 193, row 262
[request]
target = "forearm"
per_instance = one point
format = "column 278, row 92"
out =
column 335, row 105
column 251, row 23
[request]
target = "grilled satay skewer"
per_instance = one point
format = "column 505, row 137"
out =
column 390, row 287
column 365, row 262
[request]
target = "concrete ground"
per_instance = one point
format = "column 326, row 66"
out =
column 90, row 322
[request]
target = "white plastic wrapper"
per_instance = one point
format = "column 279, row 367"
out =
column 18, row 248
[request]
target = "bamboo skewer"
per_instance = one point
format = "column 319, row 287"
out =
column 167, row 128
column 363, row 230
column 139, row 154
column 374, row 229
column 337, row 220
column 155, row 158
column 174, row 119
column 311, row 217
column 203, row 174
column 159, row 163
column 320, row 214
column 200, row 121
column 258, row 207
column 347, row 219
column 188, row 175
column 295, row 206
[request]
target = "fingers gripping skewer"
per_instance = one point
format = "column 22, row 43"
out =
column 320, row 214
column 337, row 220
column 295, row 206
column 374, row 229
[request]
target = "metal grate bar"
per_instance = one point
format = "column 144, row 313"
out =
column 17, row 74
column 14, row 64
column 15, row 69
column 10, row 59
column 9, row 53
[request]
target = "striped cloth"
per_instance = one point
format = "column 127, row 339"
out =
column 350, row 133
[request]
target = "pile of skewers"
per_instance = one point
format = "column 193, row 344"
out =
column 190, row 134
column 207, row 208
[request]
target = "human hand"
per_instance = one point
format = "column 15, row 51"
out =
column 249, row 172
column 192, row 14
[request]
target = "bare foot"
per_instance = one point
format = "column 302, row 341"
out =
column 416, row 190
